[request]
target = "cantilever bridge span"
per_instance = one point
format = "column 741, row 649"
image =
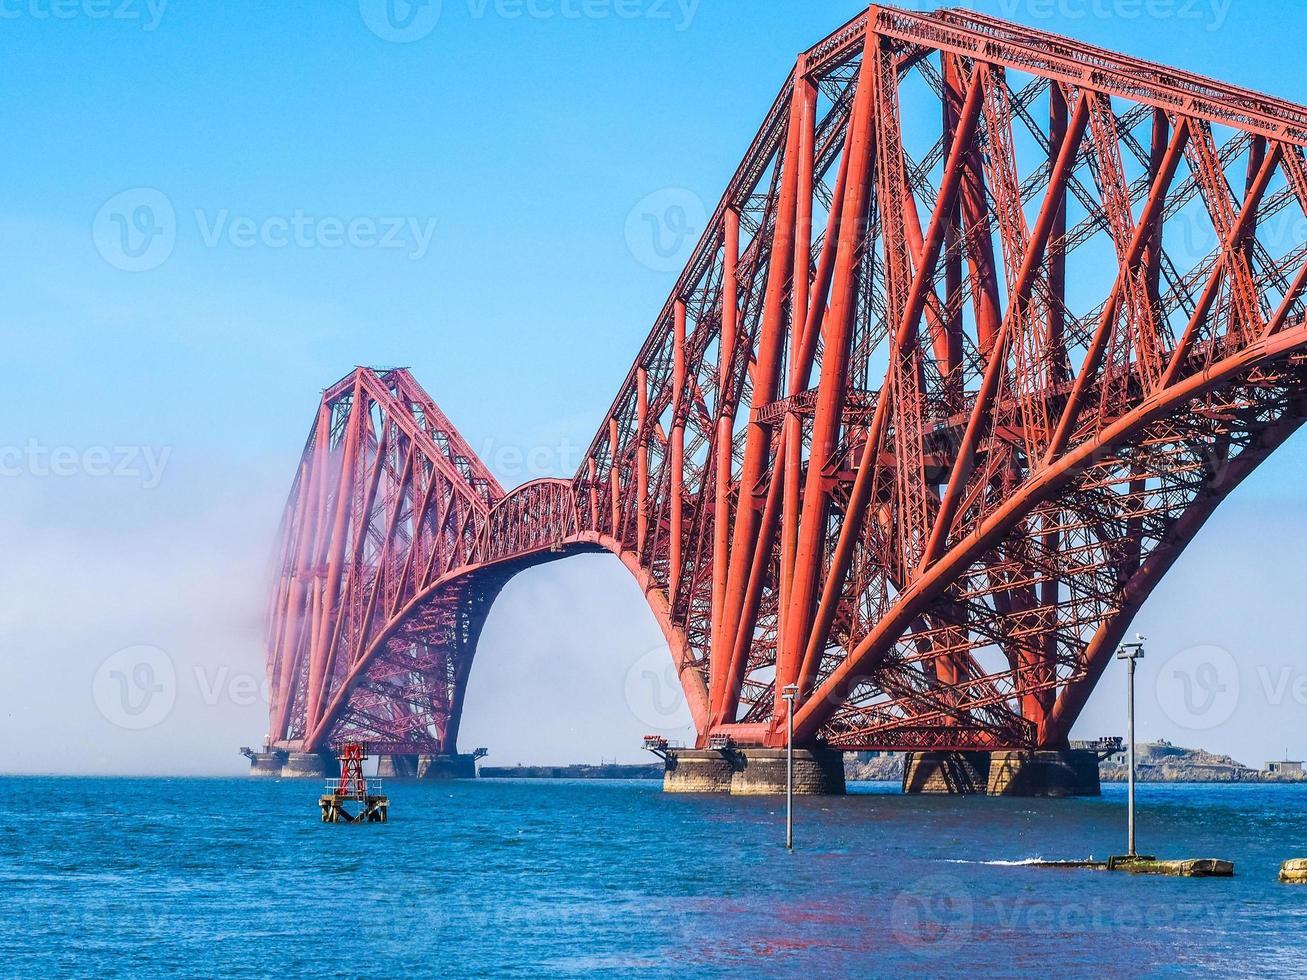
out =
column 986, row 325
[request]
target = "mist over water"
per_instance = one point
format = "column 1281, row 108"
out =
column 571, row 666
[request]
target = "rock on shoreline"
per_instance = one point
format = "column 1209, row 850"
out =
column 1162, row 762
column 881, row 768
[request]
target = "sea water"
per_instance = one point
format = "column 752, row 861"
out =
column 196, row 877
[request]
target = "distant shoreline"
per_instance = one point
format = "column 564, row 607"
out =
column 1114, row 774
column 1158, row 762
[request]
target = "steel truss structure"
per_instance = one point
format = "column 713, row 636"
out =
column 986, row 325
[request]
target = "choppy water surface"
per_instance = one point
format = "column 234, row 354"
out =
column 201, row 876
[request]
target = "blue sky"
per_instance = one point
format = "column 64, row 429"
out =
column 507, row 146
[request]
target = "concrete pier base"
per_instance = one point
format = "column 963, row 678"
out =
column 753, row 772
column 266, row 765
column 1060, row 772
column 817, row 772
column 278, row 763
column 698, row 771
column 309, row 765
column 952, row 773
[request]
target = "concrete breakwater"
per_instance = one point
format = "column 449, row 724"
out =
column 575, row 771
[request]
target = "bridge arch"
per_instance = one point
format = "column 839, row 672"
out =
column 942, row 392
column 533, row 525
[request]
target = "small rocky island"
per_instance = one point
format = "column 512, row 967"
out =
column 1162, row 762
column 1156, row 762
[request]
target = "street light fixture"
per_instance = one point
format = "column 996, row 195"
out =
column 1130, row 653
column 789, row 692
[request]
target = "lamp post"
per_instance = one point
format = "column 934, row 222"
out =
column 1130, row 653
column 789, row 692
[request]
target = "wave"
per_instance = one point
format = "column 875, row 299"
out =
column 1001, row 864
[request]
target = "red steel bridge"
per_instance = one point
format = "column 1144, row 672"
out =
column 986, row 325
